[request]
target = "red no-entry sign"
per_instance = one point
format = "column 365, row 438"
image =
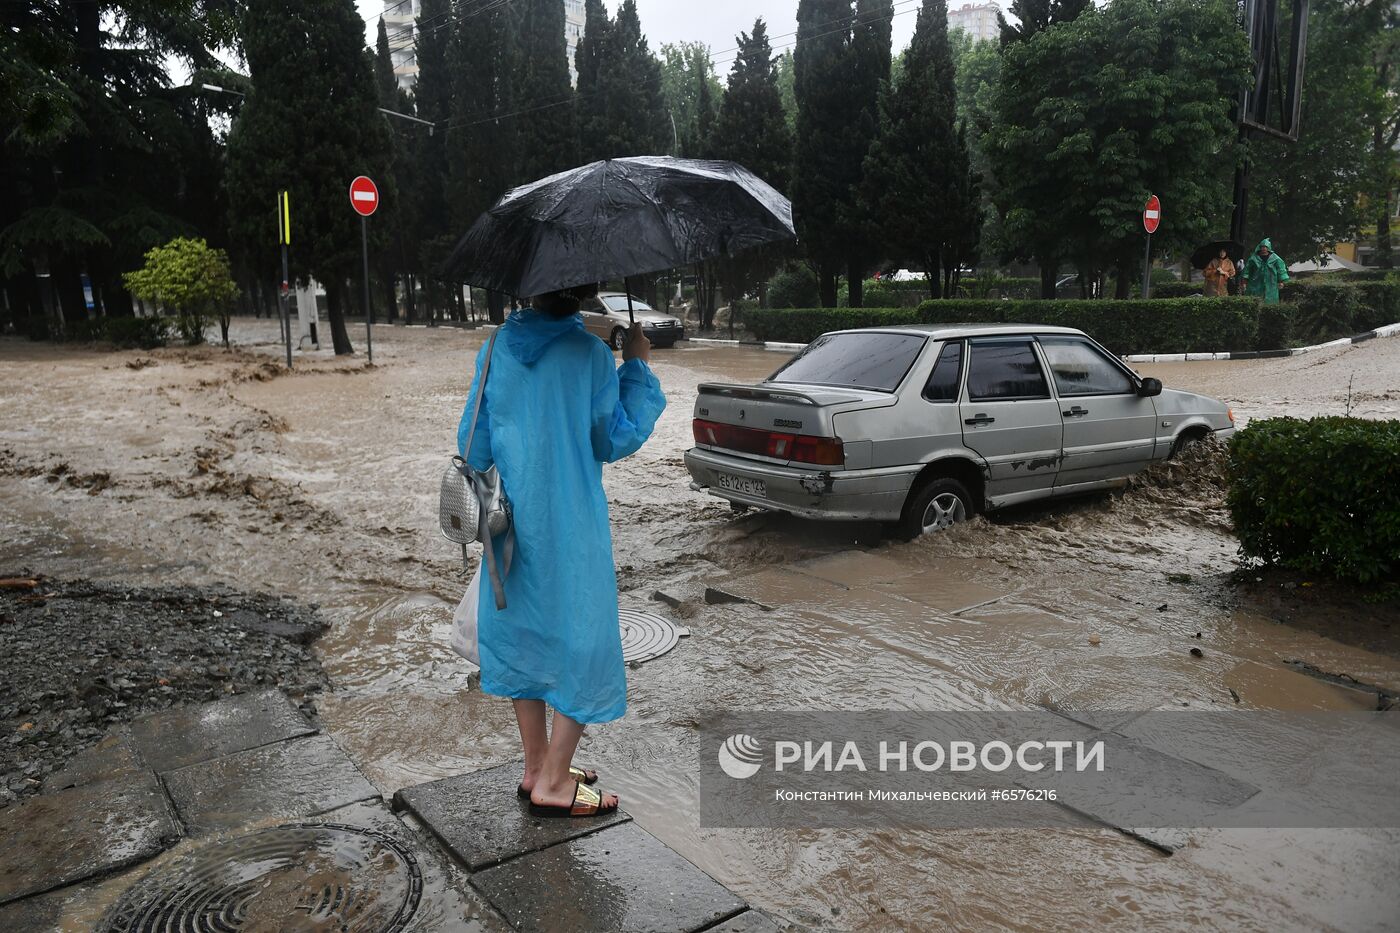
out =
column 364, row 196
column 1151, row 214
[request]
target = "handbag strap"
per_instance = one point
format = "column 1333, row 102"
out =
column 481, row 391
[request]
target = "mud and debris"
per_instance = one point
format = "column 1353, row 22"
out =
column 78, row 657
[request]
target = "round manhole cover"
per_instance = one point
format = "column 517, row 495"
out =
column 645, row 636
column 298, row 877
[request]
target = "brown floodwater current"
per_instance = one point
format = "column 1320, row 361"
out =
column 204, row 465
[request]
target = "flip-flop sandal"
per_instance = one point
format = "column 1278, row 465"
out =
column 587, row 802
column 578, row 774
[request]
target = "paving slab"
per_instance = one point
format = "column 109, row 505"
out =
column 191, row 734
column 622, row 878
column 59, row 839
column 114, row 756
column 480, row 820
column 750, row 921
column 299, row 777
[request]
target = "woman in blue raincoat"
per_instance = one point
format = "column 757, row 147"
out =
column 1264, row 272
column 556, row 408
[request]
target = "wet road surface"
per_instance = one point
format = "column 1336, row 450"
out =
column 191, row 466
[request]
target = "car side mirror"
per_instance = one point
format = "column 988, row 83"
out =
column 1150, row 387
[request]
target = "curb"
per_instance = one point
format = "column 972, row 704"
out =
column 1389, row 330
column 768, row 345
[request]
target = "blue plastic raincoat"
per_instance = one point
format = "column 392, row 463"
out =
column 556, row 409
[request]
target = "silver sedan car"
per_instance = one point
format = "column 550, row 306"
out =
column 926, row 425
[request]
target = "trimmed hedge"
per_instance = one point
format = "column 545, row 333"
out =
column 126, row 333
column 1319, row 496
column 1325, row 309
column 1133, row 326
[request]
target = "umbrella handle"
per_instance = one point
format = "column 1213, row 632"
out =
column 631, row 315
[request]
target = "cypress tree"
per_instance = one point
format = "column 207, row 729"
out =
column 918, row 179
column 626, row 113
column 588, row 64
column 820, row 179
column 750, row 129
column 841, row 59
column 384, row 68
column 869, row 70
column 309, row 125
column 697, row 143
column 543, row 131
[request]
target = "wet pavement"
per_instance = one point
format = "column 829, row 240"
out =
column 321, row 485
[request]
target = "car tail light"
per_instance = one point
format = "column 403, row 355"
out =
column 803, row 448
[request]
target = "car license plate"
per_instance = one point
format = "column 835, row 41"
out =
column 751, row 487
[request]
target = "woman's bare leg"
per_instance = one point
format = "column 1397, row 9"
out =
column 529, row 715
column 554, row 786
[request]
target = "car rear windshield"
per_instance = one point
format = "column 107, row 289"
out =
column 858, row 360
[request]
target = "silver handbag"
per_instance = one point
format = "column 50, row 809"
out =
column 472, row 505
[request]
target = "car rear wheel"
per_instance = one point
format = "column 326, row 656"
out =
column 940, row 503
column 619, row 338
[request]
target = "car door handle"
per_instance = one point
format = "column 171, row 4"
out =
column 978, row 419
column 1075, row 412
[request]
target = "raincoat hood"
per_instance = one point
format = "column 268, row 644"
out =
column 529, row 332
column 1263, row 243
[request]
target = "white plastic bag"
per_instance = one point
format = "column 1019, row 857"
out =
column 464, row 622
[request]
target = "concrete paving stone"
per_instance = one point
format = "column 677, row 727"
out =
column 750, row 921
column 296, row 778
column 622, row 878
column 190, row 734
column 481, row 821
column 113, row 756
column 59, row 839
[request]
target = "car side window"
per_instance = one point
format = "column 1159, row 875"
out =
column 1080, row 368
column 591, row 305
column 1005, row 369
column 942, row 385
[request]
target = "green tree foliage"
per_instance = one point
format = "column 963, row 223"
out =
column 543, row 130
column 621, row 110
column 1307, row 196
column 977, row 72
column 688, row 87
column 310, row 124
column 102, row 158
column 1095, row 114
column 841, row 57
column 1033, row 16
column 785, row 88
column 1385, row 130
column 918, row 180
column 751, row 130
column 187, row 275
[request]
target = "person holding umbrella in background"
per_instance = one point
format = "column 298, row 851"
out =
column 1264, row 272
column 1218, row 272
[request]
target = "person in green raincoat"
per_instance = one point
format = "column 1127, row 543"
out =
column 1263, row 273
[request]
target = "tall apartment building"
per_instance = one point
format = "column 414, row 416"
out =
column 978, row 20
column 401, row 24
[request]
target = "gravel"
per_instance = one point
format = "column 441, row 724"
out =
column 78, row 658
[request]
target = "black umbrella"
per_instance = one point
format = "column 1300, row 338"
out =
column 615, row 218
column 1204, row 254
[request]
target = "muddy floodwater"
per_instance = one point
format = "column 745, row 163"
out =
column 192, row 466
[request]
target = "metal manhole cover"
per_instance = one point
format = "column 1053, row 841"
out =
column 297, row 877
column 645, row 636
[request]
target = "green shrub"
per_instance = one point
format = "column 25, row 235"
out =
column 1380, row 302
column 1133, row 326
column 1276, row 327
column 1176, row 289
column 1181, row 325
column 1322, row 310
column 1319, row 496
column 793, row 288
column 126, row 333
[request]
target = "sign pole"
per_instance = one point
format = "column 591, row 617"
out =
column 364, row 198
column 1147, row 270
column 1151, row 219
column 369, row 314
column 284, row 236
